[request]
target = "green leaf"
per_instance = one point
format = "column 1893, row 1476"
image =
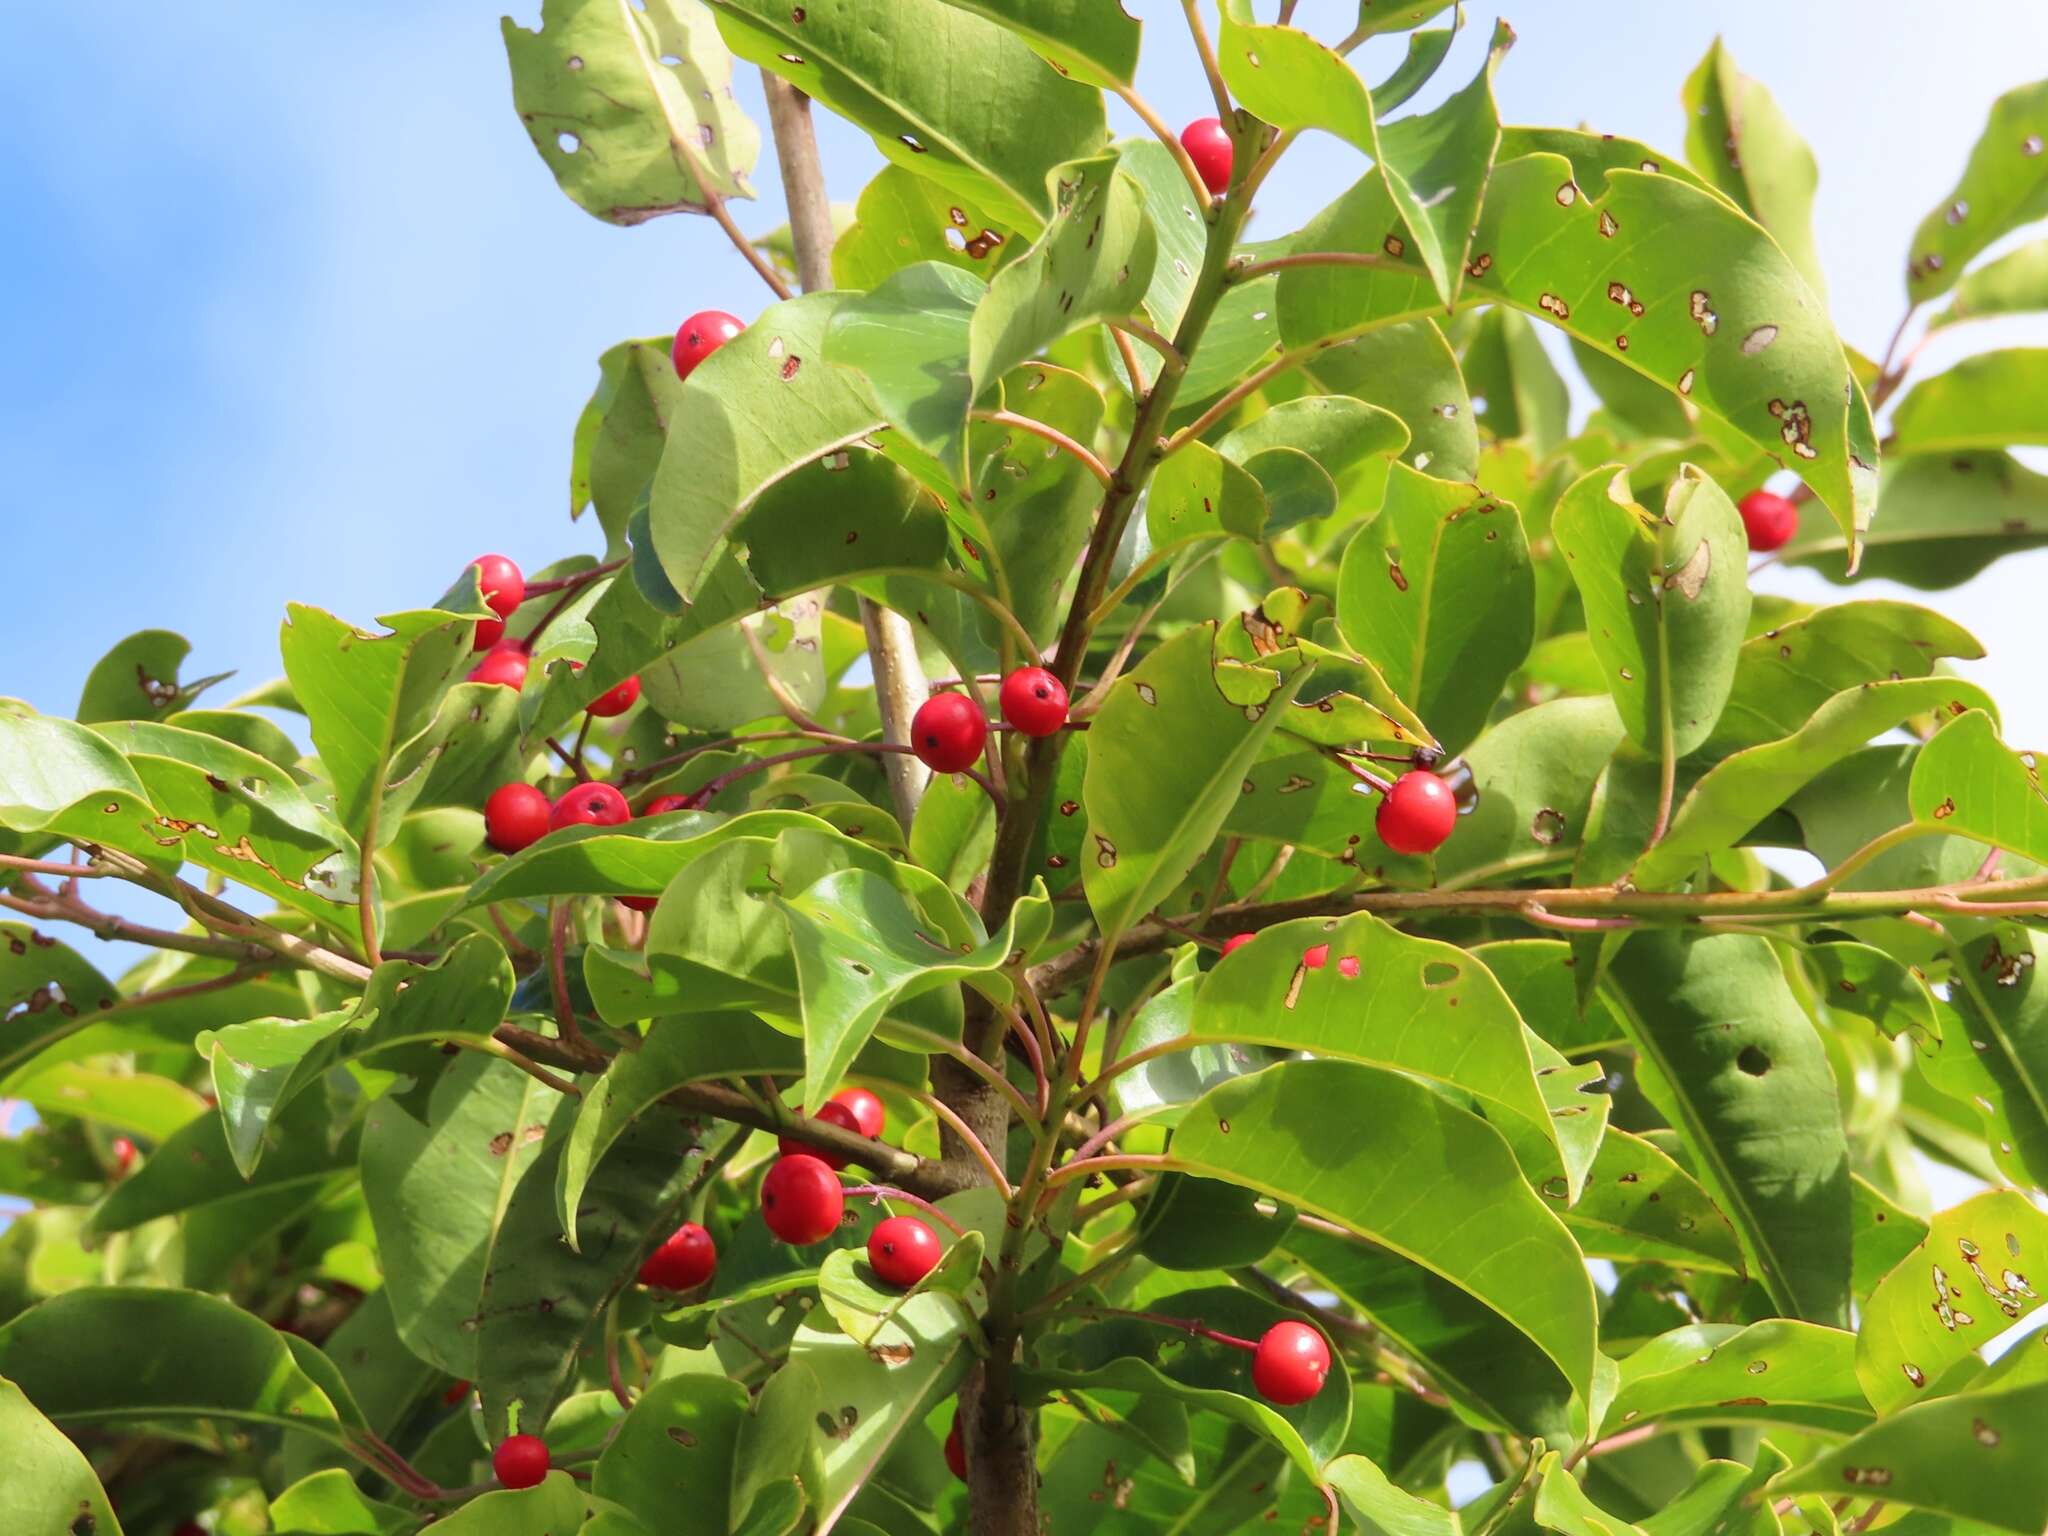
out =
column 368, row 697
column 1391, row 1160
column 1941, row 519
column 1552, row 246
column 909, row 340
column 541, row 1306
column 1667, row 600
column 258, row 1068
column 48, row 991
column 948, row 95
column 954, row 830
column 1722, row 1495
column 1199, row 494
column 438, row 1191
column 1738, row 138
column 1436, row 592
column 676, row 1051
column 1640, row 1206
column 1729, row 1058
column 329, row 1504
column 1409, row 368
column 1380, row 1506
column 620, row 433
column 1990, row 400
column 1994, row 1048
column 862, row 950
column 681, row 1438
column 1203, row 1224
column 1563, row 1506
column 629, row 105
column 50, row 1486
column 114, row 1352
column 637, row 859
column 1740, row 791
column 2015, row 284
column 1380, row 996
column 1537, row 976
column 1538, row 769
column 1183, row 236
column 865, row 1405
column 1974, row 1260
column 1862, row 980
column 1524, row 394
column 138, row 680
column 1968, row 783
column 1094, row 43
column 1166, row 725
column 759, row 407
column 139, row 1103
column 1310, row 454
column 903, row 218
column 1976, row 1456
column 2004, row 185
column 1774, row 1372
column 556, row 1507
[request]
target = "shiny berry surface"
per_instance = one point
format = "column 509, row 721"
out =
column 867, row 1109
column 801, row 1200
column 515, row 816
column 956, row 1451
column 489, row 632
column 617, row 701
column 590, row 805
column 700, row 336
column 1208, row 145
column 1236, row 942
column 1034, row 701
column 521, row 1461
column 1770, row 519
column 948, row 732
column 505, row 666
column 685, row 1261
column 661, row 805
column 903, row 1250
column 831, row 1114
column 1290, row 1363
column 504, row 587
column 1417, row 814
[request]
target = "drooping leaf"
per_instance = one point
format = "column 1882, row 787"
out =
column 943, row 92
column 1666, row 600
column 620, row 433
column 1975, row 1456
column 630, row 105
column 1166, row 722
column 2004, row 185
column 1738, row 138
column 1987, row 401
column 1436, row 591
column 1732, row 1062
column 1941, row 519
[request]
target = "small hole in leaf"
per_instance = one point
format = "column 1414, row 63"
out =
column 1752, row 1060
column 568, row 143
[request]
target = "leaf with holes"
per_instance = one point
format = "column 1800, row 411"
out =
column 1538, row 769
column 904, row 218
column 1085, row 40
column 1729, row 1058
column 1667, row 598
column 1775, row 1372
column 1968, row 783
column 1738, row 138
column 1409, row 368
column 1994, row 1048
column 955, row 98
column 1639, row 1206
column 1436, row 592
column 632, row 107
column 50, row 1485
column 683, row 1432
column 908, row 339
column 2004, row 185
column 2015, row 284
column 1166, row 724
column 138, row 680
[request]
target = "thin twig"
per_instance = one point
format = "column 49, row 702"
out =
column 881, row 1192
column 1050, row 434
column 972, row 1142
column 1174, row 147
column 1244, row 272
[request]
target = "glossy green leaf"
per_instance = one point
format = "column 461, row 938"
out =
column 1639, row 1205
column 1863, row 980
column 2004, row 185
column 1968, row 783
column 620, row 433
column 1987, row 401
column 1409, row 368
column 640, row 858
column 1719, row 1496
column 1774, row 1372
column 1200, row 1224
column 1095, row 43
column 2015, row 284
column 138, row 680
column 1165, row 723
column 904, row 218
column 631, row 106
column 945, row 93
column 1382, row 1507
column 1941, row 519
column 1738, row 138
column 1563, row 1506
column 1994, row 1048
column 50, row 1486
column 114, row 1352
column 329, row 1504
column 1973, row 1265
column 1357, row 989
column 1389, row 1159
column 1730, row 1059
column 556, row 1506
column 1348, row 445
column 140, row 1103
column 1538, row 769
column 1976, row 1456
column 61, row 780
column 671, row 1462
column 1666, row 600
column 1537, row 976
column 1436, row 592
column 866, row 1307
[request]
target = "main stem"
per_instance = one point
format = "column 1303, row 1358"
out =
column 892, row 648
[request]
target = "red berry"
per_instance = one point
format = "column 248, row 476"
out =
column 867, row 1110
column 956, row 1450
column 1034, row 701
column 1417, row 814
column 1236, row 942
column 661, row 805
column 640, row 903
column 1290, row 1363
column 830, row 1114
column 455, row 1394
column 948, row 732
column 504, row 588
column 902, row 1251
column 521, row 1461
column 616, row 702
column 1315, row 957
column 124, row 1155
column 700, row 336
column 1208, row 145
column 801, row 1199
column 515, row 816
column 1770, row 519
column 505, row 666
column 684, row 1262
column 488, row 633
column 590, row 805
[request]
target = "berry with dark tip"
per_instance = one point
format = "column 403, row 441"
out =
column 700, row 336
column 902, row 1251
column 515, row 817
column 948, row 732
column 1034, row 701
column 590, row 805
column 801, row 1200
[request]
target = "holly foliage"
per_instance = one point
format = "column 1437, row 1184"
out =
column 354, row 1175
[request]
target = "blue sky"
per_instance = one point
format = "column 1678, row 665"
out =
column 293, row 311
